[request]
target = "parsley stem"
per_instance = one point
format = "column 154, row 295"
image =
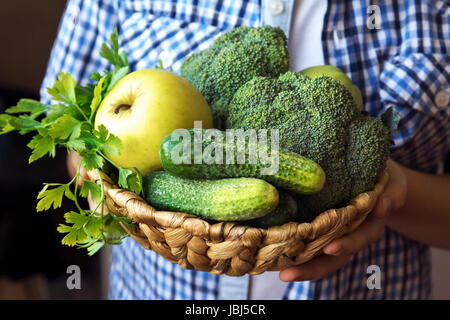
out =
column 98, row 206
column 82, row 113
column 102, row 190
column 109, row 160
column 135, row 170
column 77, row 179
column 110, row 212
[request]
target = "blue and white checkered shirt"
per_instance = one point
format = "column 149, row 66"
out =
column 403, row 63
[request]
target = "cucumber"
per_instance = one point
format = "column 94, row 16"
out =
column 183, row 156
column 285, row 212
column 232, row 199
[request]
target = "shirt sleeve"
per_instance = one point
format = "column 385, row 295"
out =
column 84, row 27
column 417, row 85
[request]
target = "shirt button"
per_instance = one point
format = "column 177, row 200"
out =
column 276, row 7
column 442, row 99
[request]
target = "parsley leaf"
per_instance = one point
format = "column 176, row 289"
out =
column 116, row 75
column 91, row 188
column 27, row 105
column 91, row 160
column 130, row 179
column 94, row 247
column 58, row 110
column 109, row 143
column 52, row 197
column 112, row 55
column 4, row 123
column 24, row 124
column 64, row 127
column 63, row 89
column 77, row 144
column 69, row 123
column 41, row 146
column 97, row 97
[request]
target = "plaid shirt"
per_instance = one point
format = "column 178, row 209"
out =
column 404, row 63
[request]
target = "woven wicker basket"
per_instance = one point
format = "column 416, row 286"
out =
column 228, row 248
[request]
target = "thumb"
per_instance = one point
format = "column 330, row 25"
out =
column 383, row 207
column 394, row 196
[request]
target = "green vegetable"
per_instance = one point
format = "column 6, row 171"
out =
column 233, row 156
column 285, row 212
column 69, row 123
column 318, row 119
column 236, row 57
column 222, row 200
column 337, row 74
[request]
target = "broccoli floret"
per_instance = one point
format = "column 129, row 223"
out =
column 368, row 148
column 318, row 119
column 236, row 57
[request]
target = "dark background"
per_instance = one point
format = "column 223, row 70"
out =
column 33, row 263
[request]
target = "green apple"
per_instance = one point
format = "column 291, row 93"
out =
column 145, row 106
column 336, row 73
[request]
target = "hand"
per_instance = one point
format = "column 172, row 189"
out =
column 339, row 252
column 73, row 161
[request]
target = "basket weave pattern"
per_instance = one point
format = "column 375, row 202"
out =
column 228, row 248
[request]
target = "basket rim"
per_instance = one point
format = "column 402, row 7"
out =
column 140, row 211
column 230, row 248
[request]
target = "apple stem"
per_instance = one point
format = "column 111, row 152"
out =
column 122, row 107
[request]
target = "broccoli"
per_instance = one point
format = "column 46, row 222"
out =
column 236, row 57
column 318, row 119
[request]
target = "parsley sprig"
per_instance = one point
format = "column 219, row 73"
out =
column 69, row 123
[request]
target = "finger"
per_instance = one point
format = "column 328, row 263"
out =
column 367, row 233
column 382, row 207
column 339, row 252
column 93, row 205
column 314, row 269
column 73, row 162
column 394, row 195
column 396, row 189
column 83, row 176
column 83, row 173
